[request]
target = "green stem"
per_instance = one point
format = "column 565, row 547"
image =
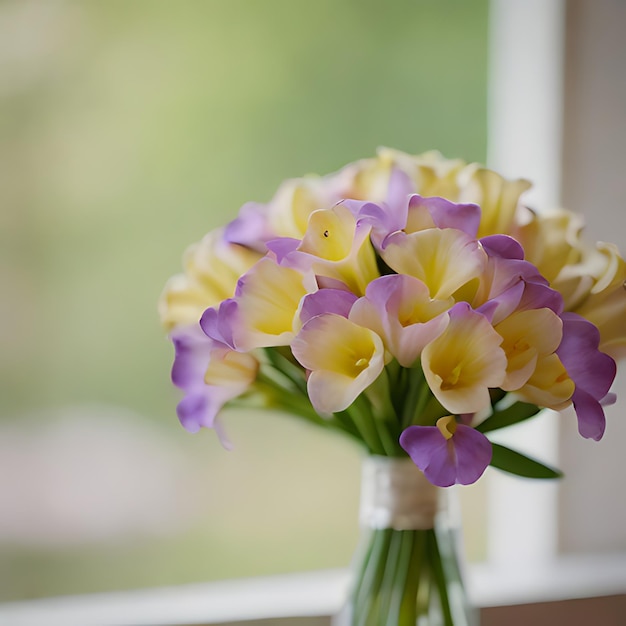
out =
column 392, row 576
column 402, row 606
column 440, row 577
column 367, row 595
column 287, row 368
column 360, row 414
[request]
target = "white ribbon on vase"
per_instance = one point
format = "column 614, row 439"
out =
column 396, row 494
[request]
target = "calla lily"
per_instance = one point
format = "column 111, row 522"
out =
column 444, row 260
column 264, row 310
column 448, row 453
column 210, row 374
column 510, row 283
column 400, row 310
column 549, row 385
column 336, row 247
column 430, row 212
column 497, row 197
column 339, row 248
column 212, row 268
column 343, row 359
column 527, row 336
column 592, row 371
column 412, row 213
column 605, row 306
column 551, row 241
column 336, row 301
column 464, row 361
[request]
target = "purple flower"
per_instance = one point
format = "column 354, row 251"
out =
column 251, row 227
column 399, row 309
column 210, row 374
column 510, row 283
column 448, row 453
column 337, row 301
column 413, row 213
column 443, row 214
column 388, row 216
column 592, row 371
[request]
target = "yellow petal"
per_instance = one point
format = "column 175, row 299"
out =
column 443, row 259
column 526, row 336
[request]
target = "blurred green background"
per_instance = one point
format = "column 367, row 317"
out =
column 127, row 131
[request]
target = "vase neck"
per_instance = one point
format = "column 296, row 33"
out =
column 396, row 494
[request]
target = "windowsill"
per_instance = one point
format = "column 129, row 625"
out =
column 312, row 594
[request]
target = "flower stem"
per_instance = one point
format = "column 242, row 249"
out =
column 440, row 577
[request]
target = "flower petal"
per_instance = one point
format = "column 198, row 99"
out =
column 344, row 359
column 464, row 361
column 445, row 260
column 459, row 459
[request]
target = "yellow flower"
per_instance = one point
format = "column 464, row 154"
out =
column 267, row 302
column 295, row 200
column 605, row 306
column 464, row 362
column 551, row 241
column 443, row 259
column 527, row 336
column 340, row 248
column 211, row 270
column 343, row 357
column 497, row 197
column 549, row 386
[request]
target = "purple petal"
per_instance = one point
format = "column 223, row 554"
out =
column 609, row 399
column 428, row 447
column 592, row 371
column 391, row 286
column 199, row 410
column 589, row 368
column 383, row 219
column 502, row 246
column 282, row 247
column 539, row 296
column 441, row 470
column 517, row 284
column 354, row 206
column 501, row 306
column 192, row 353
column 336, row 301
column 217, row 323
column 473, row 454
column 250, row 228
column 461, row 459
column 590, row 415
column 194, row 411
column 446, row 214
column 400, row 188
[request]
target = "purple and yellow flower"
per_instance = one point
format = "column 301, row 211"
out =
column 591, row 370
column 212, row 268
column 445, row 260
column 448, row 453
column 527, row 336
column 605, row 305
column 210, row 374
column 264, row 310
column 335, row 246
column 342, row 357
column 400, row 289
column 464, row 361
column 399, row 309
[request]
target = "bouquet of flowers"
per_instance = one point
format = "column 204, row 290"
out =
column 415, row 304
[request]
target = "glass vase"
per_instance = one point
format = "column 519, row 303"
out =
column 407, row 569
